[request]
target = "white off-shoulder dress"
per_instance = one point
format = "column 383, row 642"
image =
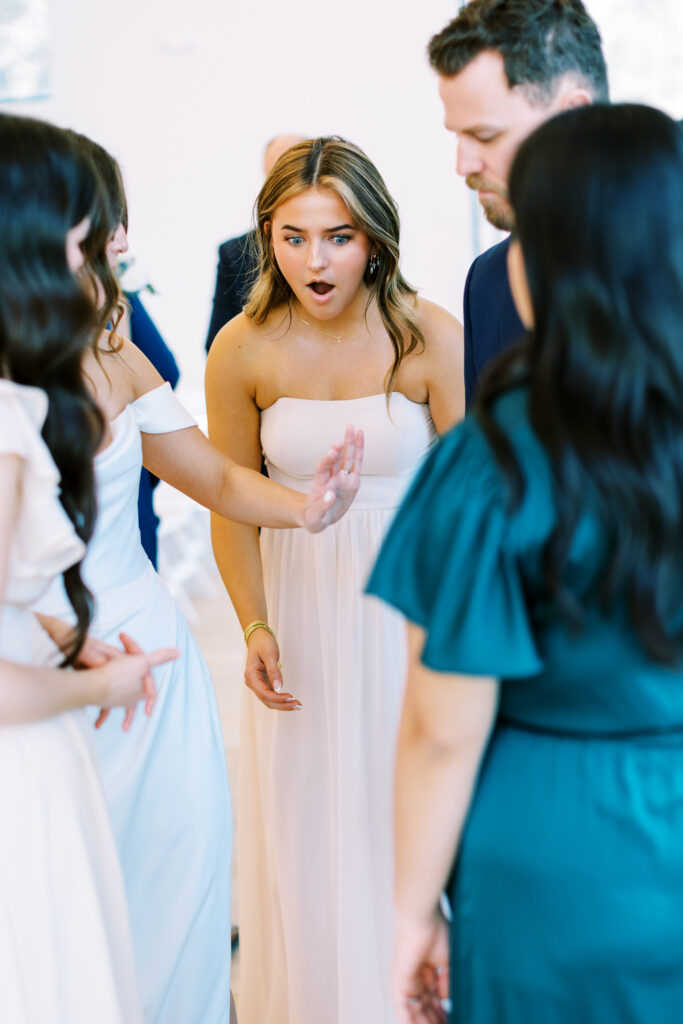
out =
column 165, row 781
column 315, row 836
column 65, row 946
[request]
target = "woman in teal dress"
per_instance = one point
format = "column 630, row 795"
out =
column 539, row 560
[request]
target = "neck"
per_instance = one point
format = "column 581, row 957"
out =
column 352, row 319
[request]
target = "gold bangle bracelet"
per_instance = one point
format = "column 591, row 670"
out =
column 253, row 626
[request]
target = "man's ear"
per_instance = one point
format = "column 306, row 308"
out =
column 576, row 96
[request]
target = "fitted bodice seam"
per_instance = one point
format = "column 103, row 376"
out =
column 335, row 401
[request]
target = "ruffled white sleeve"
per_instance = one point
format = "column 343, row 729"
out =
column 160, row 412
column 44, row 541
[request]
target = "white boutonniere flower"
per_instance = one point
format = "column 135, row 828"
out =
column 133, row 278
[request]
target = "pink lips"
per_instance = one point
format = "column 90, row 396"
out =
column 320, row 287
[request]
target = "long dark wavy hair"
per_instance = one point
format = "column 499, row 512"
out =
column 112, row 212
column 598, row 201
column 332, row 162
column 47, row 314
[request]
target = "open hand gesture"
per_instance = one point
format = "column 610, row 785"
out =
column 336, row 482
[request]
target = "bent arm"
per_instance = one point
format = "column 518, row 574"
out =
column 189, row 461
column 445, row 726
column 234, row 427
column 30, row 693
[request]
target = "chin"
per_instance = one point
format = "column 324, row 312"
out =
column 499, row 216
column 499, row 213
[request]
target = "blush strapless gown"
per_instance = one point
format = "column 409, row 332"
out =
column 315, row 828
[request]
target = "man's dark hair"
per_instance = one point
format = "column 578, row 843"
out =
column 539, row 41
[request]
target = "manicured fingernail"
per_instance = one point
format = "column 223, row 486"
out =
column 328, row 496
column 278, row 685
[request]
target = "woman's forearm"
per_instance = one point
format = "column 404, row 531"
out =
column 433, row 789
column 445, row 727
column 187, row 460
column 238, row 557
column 248, row 497
column 31, row 693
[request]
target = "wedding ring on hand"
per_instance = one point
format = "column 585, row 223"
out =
column 344, row 471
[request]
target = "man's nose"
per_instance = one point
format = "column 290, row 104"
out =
column 468, row 159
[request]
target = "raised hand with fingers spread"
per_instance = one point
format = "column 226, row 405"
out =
column 336, row 482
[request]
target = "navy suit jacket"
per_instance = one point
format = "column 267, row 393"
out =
column 144, row 334
column 237, row 269
column 491, row 320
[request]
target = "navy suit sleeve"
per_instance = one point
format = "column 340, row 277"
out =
column 227, row 299
column 144, row 334
column 470, row 367
column 237, row 271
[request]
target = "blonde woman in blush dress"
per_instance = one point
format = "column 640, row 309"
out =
column 332, row 333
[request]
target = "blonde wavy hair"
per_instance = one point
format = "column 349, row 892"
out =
column 332, row 162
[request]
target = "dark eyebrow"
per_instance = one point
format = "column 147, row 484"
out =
column 329, row 231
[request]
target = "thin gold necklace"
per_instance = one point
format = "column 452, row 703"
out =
column 335, row 337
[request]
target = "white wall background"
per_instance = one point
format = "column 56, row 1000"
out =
column 186, row 92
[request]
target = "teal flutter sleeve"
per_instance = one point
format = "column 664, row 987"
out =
column 447, row 565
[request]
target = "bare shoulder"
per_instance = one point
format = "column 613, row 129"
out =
column 234, row 346
column 244, row 349
column 128, row 370
column 440, row 328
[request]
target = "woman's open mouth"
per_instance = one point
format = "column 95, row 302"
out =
column 320, row 287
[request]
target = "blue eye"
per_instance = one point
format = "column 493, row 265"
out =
column 341, row 239
column 294, row 240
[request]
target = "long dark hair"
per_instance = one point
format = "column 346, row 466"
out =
column 598, row 201
column 332, row 162
column 47, row 315
column 112, row 212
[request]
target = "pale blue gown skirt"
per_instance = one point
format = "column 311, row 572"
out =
column 165, row 781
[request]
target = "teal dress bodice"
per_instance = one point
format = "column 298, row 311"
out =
column 568, row 886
